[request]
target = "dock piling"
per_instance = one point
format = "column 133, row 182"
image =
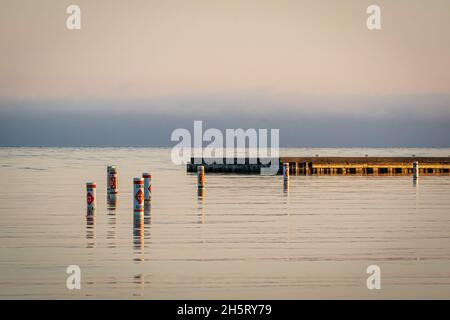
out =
column 285, row 171
column 416, row 170
column 147, row 186
column 201, row 177
column 91, row 196
column 112, row 181
column 138, row 194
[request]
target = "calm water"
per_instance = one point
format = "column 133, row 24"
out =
column 246, row 238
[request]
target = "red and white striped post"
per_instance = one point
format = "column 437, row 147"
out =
column 285, row 171
column 201, row 176
column 112, row 180
column 91, row 196
column 147, row 186
column 138, row 194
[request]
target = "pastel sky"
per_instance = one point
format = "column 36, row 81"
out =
column 230, row 59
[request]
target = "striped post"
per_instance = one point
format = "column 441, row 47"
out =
column 138, row 194
column 91, row 196
column 112, row 180
column 285, row 171
column 147, row 186
column 201, row 176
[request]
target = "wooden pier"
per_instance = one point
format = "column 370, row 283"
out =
column 330, row 165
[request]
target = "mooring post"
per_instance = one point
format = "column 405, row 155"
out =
column 416, row 170
column 138, row 194
column 111, row 180
column 201, row 176
column 285, row 171
column 147, row 186
column 91, row 196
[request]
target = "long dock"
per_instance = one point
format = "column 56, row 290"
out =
column 330, row 165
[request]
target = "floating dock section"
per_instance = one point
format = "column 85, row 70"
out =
column 329, row 165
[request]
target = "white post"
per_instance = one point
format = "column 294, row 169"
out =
column 201, row 176
column 147, row 186
column 138, row 194
column 91, row 196
column 416, row 170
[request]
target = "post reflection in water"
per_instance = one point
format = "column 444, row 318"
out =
column 416, row 189
column 90, row 228
column 111, row 232
column 147, row 221
column 138, row 233
column 141, row 233
column 416, row 184
column 111, row 201
column 139, row 279
column 201, row 204
column 286, row 187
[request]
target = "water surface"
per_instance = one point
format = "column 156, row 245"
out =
column 246, row 237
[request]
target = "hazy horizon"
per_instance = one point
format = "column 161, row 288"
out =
column 137, row 70
column 402, row 123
